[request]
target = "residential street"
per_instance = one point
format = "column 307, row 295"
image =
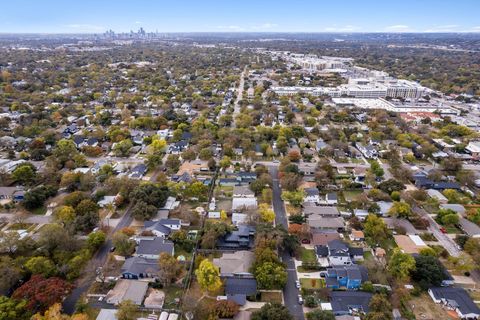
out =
column 290, row 292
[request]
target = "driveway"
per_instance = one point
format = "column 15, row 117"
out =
column 290, row 292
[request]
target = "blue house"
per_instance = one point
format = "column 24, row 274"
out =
column 350, row 277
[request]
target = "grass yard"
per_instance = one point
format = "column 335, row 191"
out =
column 453, row 230
column 271, row 296
column 312, row 284
column 172, row 295
column 351, row 195
column 40, row 211
column 307, row 255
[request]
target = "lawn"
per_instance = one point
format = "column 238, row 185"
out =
column 307, row 255
column 172, row 295
column 40, row 211
column 453, row 230
column 351, row 195
column 271, row 296
column 312, row 284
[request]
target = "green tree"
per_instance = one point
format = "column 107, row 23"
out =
column 270, row 276
column 272, row 311
column 400, row 210
column 41, row 265
column 12, row 309
column 318, row 314
column 375, row 229
column 96, row 239
column 295, row 198
column 64, row 150
column 376, row 169
column 428, row 272
column 208, row 276
column 225, row 162
column 24, row 173
column 401, row 264
column 122, row 243
column 122, row 148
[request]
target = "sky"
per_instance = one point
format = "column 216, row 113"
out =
column 97, row 16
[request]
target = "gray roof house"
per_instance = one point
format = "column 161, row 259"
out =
column 139, row 268
column 322, row 211
column 319, row 222
column 133, row 290
column 163, row 227
column 152, row 247
column 455, row 299
column 350, row 302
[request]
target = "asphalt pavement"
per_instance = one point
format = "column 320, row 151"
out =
column 290, row 292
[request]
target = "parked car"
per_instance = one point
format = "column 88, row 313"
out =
column 300, row 299
column 297, row 284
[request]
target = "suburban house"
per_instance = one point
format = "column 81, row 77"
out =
column 323, row 237
column 244, row 203
column 322, row 223
column 139, row 268
column 437, row 195
column 152, row 247
column 350, row 302
column 133, row 290
column 321, row 211
column 238, row 262
column 473, row 148
column 350, row 277
column 312, row 195
column 331, row 198
column 243, row 191
column 368, row 151
column 238, row 288
column 456, row 299
column 163, row 227
column 239, row 239
column 384, row 207
column 11, row 193
column 338, row 253
column 356, row 235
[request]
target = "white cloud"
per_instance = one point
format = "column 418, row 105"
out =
column 80, row 27
column 265, row 26
column 138, row 22
column 398, row 28
column 476, row 29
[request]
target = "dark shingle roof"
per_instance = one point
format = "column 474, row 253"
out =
column 456, row 296
column 236, row 285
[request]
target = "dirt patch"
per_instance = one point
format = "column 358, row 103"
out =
column 424, row 308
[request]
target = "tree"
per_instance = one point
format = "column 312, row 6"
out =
column 225, row 162
column 401, row 264
column 168, row 268
column 10, row 273
column 463, row 263
column 318, row 314
column 267, row 195
column 122, row 243
column 172, row 163
column 41, row 265
column 96, row 239
column 65, row 215
column 208, row 276
column 270, row 276
column 225, row 309
column 375, row 229
column 376, row 169
column 295, row 198
column 41, row 293
column 400, row 209
column 272, row 311
column 391, row 185
column 24, row 173
column 428, row 272
column 379, row 308
column 143, row 211
column 311, row 302
column 122, row 148
column 12, row 309
column 127, row 310
column 64, row 151
column 266, row 213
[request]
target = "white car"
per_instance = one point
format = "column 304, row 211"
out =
column 300, row 299
column 297, row 284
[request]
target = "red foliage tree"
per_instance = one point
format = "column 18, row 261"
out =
column 41, row 293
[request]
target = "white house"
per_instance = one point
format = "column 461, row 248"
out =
column 244, row 203
column 312, row 195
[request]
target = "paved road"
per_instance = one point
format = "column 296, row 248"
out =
column 290, row 292
column 448, row 243
column 236, row 106
column 29, row 218
column 98, row 260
